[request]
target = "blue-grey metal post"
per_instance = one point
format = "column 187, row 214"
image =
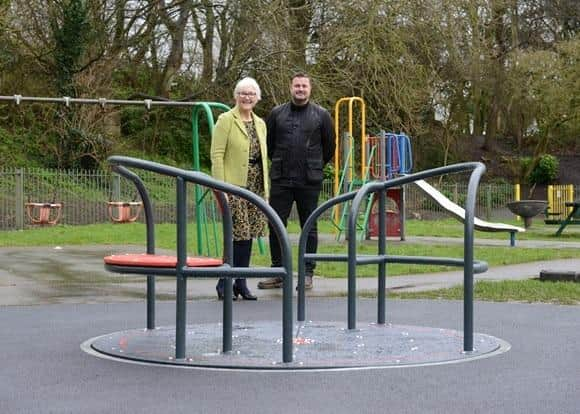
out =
column 302, row 246
column 150, row 234
column 468, row 258
column 227, row 313
column 286, row 297
column 402, row 213
column 181, row 282
column 148, row 209
column 227, row 318
column 351, row 311
column 301, row 293
column 287, row 289
column 382, row 283
column 228, row 259
column 351, row 257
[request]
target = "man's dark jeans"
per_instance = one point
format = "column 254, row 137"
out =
column 281, row 200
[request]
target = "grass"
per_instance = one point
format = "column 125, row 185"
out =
column 134, row 234
column 519, row 291
column 453, row 228
column 494, row 256
column 528, row 291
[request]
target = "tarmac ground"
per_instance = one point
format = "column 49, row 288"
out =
column 44, row 369
column 54, row 299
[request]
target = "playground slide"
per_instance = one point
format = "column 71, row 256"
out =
column 459, row 212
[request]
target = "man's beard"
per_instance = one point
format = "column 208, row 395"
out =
column 299, row 101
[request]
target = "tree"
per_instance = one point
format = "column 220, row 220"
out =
column 450, row 73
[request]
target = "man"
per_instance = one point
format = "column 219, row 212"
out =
column 300, row 142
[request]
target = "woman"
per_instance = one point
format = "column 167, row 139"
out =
column 239, row 157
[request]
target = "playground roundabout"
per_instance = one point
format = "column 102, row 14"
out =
column 317, row 346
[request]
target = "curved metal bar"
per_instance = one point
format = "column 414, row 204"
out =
column 227, row 271
column 470, row 265
column 302, row 247
column 468, row 234
column 150, row 234
column 351, row 249
column 477, row 171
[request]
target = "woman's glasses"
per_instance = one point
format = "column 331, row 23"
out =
column 247, row 94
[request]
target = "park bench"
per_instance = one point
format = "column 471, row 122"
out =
column 572, row 218
column 183, row 267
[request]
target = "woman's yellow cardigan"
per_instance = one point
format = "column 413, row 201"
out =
column 230, row 149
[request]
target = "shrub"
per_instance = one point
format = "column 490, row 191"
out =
column 545, row 171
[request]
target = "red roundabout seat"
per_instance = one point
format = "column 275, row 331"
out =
column 158, row 260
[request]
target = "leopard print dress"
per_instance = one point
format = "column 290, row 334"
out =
column 249, row 222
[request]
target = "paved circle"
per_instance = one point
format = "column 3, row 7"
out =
column 317, row 345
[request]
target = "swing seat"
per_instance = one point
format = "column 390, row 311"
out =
column 124, row 212
column 40, row 213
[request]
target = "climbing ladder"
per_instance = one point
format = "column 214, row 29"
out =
column 382, row 158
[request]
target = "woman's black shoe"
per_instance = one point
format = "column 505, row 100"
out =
column 240, row 289
column 220, row 290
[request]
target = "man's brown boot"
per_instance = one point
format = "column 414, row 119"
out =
column 271, row 283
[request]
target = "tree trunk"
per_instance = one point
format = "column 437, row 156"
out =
column 300, row 14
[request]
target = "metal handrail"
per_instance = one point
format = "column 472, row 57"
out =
column 227, row 270
column 468, row 263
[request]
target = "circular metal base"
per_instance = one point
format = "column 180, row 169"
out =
column 317, row 345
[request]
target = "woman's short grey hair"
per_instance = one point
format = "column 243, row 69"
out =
column 248, row 82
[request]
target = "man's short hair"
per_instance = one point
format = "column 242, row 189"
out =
column 300, row 74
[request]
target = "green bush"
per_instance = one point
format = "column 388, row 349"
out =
column 19, row 148
column 545, row 171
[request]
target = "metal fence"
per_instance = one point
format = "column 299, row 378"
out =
column 84, row 195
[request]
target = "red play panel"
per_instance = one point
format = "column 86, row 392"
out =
column 158, row 260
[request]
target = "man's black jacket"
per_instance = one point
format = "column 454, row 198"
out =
column 300, row 142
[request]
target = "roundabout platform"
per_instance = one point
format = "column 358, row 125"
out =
column 44, row 370
column 316, row 345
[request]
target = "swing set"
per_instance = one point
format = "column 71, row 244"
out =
column 122, row 211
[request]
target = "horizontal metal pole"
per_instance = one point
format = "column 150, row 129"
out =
column 248, row 272
column 193, row 272
column 478, row 265
column 18, row 99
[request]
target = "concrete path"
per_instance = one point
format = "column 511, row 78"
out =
column 75, row 274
